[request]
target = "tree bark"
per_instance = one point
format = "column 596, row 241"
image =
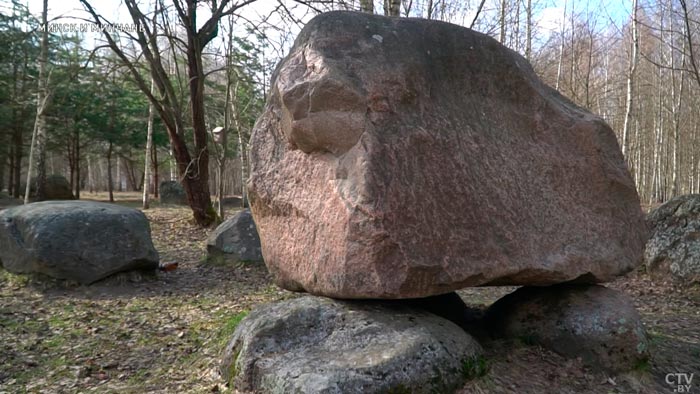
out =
column 195, row 175
column 147, row 157
column 17, row 150
column 502, row 22
column 110, row 186
column 77, row 164
column 154, row 160
column 192, row 166
column 528, row 38
column 392, row 7
column 630, row 84
column 367, row 6
column 42, row 102
column 561, row 49
column 119, row 173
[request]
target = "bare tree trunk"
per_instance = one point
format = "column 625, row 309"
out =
column 367, row 6
column 11, row 171
column 28, row 184
column 42, row 102
column 39, row 134
column 110, row 186
column 4, row 156
column 528, row 39
column 476, row 14
column 147, row 156
column 244, row 167
column 193, row 166
column 119, row 174
column 91, row 176
column 630, row 83
column 173, row 166
column 77, row 164
column 154, row 160
column 196, row 173
column 392, row 7
column 502, row 22
column 561, row 49
column 677, row 100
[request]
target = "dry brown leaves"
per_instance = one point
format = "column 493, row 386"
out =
column 164, row 334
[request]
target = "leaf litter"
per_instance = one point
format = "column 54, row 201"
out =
column 164, row 333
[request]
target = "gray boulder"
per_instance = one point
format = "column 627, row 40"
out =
column 674, row 246
column 77, row 240
column 319, row 345
column 598, row 324
column 57, row 188
column 236, row 239
column 172, row 192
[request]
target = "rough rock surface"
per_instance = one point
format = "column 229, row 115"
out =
column 402, row 158
column 236, row 239
column 319, row 345
column 674, row 246
column 172, row 192
column 593, row 322
column 77, row 240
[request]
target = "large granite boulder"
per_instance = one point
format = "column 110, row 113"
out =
column 318, row 345
column 235, row 240
column 674, row 247
column 77, row 240
column 403, row 157
column 172, row 192
column 598, row 324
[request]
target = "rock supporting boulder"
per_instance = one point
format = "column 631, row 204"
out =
column 77, row 240
column 171, row 192
column 236, row 239
column 598, row 324
column 401, row 158
column 318, row 345
column 674, row 246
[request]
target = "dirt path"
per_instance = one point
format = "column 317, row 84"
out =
column 164, row 334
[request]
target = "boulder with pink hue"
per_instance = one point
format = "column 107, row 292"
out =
column 402, row 158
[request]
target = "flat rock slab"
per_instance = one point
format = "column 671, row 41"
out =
column 598, row 324
column 76, row 240
column 673, row 250
column 403, row 158
column 319, row 345
column 235, row 240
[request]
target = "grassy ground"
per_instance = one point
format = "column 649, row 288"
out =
column 164, row 334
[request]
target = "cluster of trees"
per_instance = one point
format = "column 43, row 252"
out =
column 147, row 103
column 99, row 106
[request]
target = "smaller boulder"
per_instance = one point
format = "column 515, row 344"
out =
column 674, row 247
column 83, row 241
column 57, row 188
column 235, row 201
column 598, row 324
column 172, row 192
column 319, row 345
column 235, row 240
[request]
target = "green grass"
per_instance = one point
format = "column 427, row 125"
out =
column 475, row 367
column 13, row 280
column 229, row 326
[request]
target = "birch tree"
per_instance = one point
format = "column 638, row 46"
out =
column 38, row 145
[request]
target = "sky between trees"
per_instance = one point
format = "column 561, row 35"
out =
column 634, row 63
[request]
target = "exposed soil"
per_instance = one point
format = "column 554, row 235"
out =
column 165, row 333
